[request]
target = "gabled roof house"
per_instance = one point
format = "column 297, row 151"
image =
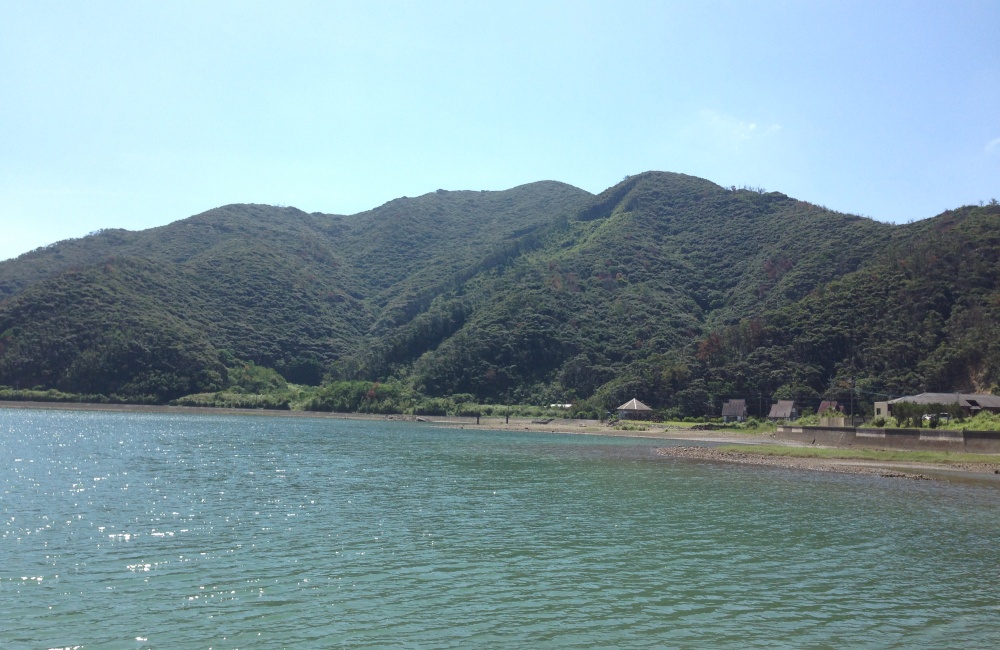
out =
column 784, row 410
column 735, row 410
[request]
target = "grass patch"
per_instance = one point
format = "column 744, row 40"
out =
column 742, row 427
column 630, row 426
column 942, row 457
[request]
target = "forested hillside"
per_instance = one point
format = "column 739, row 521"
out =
column 650, row 264
column 923, row 315
column 273, row 286
column 664, row 287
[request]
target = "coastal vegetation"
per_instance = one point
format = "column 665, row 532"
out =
column 665, row 287
column 979, row 422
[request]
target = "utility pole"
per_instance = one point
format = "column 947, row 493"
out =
column 852, row 401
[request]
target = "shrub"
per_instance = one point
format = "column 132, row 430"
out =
column 630, row 426
column 235, row 400
column 432, row 406
column 981, row 422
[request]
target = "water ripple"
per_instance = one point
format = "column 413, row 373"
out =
column 128, row 530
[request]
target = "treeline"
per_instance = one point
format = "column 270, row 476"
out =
column 399, row 398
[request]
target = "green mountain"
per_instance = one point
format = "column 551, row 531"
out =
column 651, row 263
column 665, row 286
column 132, row 314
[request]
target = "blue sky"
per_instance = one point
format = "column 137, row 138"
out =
column 136, row 114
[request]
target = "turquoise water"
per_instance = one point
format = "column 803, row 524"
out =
column 136, row 530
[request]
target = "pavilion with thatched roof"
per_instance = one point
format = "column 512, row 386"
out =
column 634, row 410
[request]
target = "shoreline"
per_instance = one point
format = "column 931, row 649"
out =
column 486, row 423
column 986, row 471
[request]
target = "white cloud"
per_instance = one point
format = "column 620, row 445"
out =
column 993, row 146
column 732, row 130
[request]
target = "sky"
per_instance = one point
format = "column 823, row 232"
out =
column 135, row 114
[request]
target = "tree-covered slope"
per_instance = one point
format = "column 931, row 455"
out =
column 252, row 280
column 922, row 315
column 410, row 250
column 274, row 286
column 104, row 330
column 648, row 265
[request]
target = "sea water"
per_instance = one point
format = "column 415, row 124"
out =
column 123, row 530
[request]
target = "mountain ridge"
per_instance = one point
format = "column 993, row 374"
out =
column 539, row 293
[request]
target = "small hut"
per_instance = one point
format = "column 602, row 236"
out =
column 735, row 410
column 634, row 410
column 784, row 410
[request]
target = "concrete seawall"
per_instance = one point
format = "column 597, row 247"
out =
column 984, row 442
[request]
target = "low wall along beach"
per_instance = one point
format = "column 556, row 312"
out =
column 987, row 442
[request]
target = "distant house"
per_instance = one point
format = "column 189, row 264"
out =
column 634, row 410
column 829, row 405
column 784, row 410
column 735, row 410
column 971, row 403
